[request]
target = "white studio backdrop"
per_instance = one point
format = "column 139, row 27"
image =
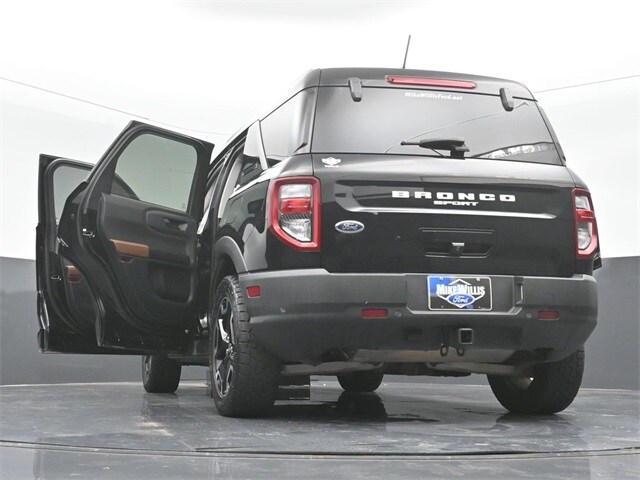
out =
column 74, row 74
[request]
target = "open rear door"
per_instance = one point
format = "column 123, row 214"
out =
column 124, row 251
column 65, row 307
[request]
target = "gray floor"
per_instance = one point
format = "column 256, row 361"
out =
column 404, row 431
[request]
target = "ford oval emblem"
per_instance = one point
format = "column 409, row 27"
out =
column 461, row 299
column 349, row 226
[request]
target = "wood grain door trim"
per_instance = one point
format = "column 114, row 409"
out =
column 130, row 249
column 73, row 274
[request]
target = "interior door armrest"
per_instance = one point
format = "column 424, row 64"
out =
column 130, row 249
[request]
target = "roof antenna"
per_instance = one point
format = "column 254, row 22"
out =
column 406, row 52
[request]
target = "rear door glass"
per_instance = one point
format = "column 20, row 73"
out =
column 158, row 170
column 65, row 179
column 385, row 117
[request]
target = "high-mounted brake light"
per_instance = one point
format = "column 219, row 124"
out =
column 430, row 82
column 585, row 224
column 293, row 213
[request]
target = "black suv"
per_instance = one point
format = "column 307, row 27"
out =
column 377, row 221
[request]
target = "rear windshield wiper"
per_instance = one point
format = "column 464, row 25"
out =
column 456, row 146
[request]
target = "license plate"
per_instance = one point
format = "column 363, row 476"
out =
column 459, row 293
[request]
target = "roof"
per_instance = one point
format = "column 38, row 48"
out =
column 376, row 77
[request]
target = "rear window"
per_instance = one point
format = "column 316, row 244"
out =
column 385, row 117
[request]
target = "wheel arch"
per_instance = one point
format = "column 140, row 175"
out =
column 226, row 246
column 228, row 261
column 224, row 267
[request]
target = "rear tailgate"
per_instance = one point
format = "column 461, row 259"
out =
column 443, row 215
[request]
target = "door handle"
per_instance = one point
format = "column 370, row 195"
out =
column 176, row 224
column 169, row 223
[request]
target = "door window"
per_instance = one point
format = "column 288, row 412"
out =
column 249, row 158
column 212, row 187
column 249, row 171
column 65, row 179
column 246, row 161
column 232, row 178
column 156, row 170
column 287, row 130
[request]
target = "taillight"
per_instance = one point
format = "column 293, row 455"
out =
column 430, row 82
column 585, row 224
column 294, row 212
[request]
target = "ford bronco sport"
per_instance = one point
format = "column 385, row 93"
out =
column 377, row 221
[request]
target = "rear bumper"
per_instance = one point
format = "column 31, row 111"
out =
column 301, row 314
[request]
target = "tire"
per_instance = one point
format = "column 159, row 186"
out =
column 364, row 381
column 552, row 388
column 244, row 377
column 160, row 374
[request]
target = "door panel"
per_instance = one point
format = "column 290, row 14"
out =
column 132, row 234
column 66, row 307
column 154, row 264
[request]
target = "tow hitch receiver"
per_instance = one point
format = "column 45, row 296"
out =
column 465, row 336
